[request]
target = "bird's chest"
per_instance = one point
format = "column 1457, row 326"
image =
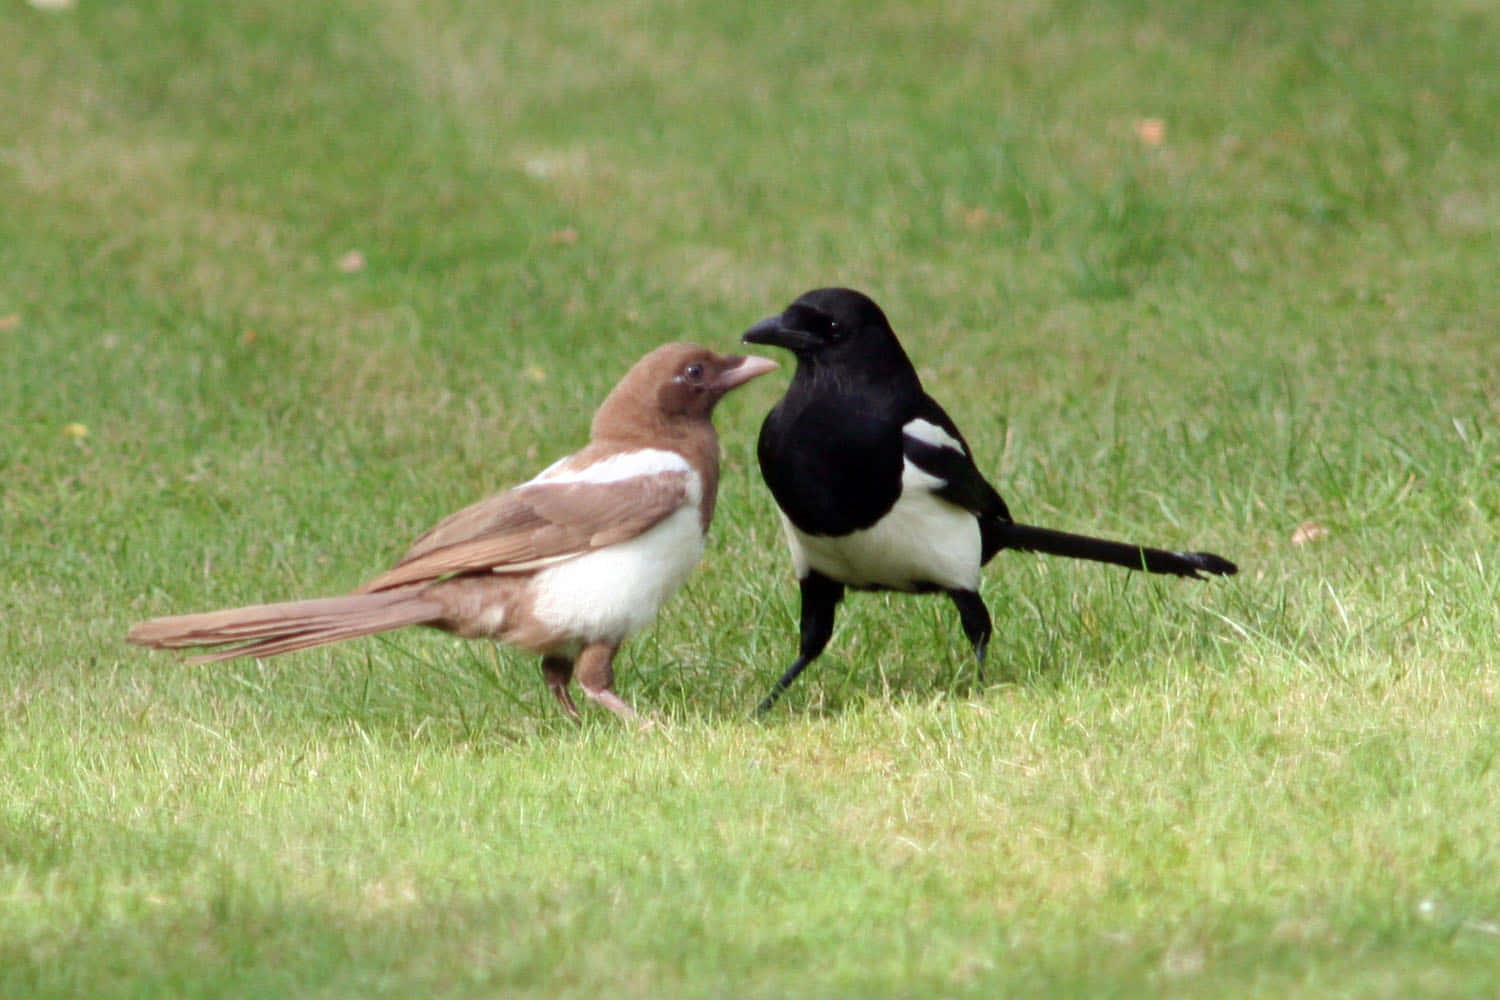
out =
column 614, row 591
column 921, row 543
column 830, row 471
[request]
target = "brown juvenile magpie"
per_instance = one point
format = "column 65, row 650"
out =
column 876, row 487
column 566, row 565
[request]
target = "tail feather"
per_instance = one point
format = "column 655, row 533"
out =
column 1029, row 538
column 269, row 629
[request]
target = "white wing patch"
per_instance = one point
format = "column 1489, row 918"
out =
column 913, row 477
column 625, row 465
column 930, row 433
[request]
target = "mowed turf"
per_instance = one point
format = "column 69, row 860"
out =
column 281, row 284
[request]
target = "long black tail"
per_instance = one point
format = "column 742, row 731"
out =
column 1027, row 538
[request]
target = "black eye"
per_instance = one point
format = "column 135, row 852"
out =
column 693, row 372
column 824, row 326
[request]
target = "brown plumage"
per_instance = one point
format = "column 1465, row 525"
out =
column 566, row 565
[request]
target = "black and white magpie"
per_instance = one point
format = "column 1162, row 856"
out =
column 877, row 488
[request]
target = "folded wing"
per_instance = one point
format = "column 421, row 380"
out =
column 538, row 524
column 931, row 442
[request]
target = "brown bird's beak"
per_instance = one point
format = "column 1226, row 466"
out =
column 742, row 370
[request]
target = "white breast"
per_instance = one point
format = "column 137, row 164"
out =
column 608, row 594
column 923, row 539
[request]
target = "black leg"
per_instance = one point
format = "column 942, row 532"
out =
column 820, row 600
column 975, row 618
column 558, row 670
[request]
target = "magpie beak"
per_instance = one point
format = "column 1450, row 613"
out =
column 775, row 334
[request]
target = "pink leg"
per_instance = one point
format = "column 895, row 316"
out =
column 596, row 675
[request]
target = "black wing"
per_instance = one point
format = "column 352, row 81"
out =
column 963, row 483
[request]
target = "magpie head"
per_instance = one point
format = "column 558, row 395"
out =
column 835, row 327
column 675, row 385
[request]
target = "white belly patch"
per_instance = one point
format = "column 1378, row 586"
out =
column 608, row 594
column 924, row 539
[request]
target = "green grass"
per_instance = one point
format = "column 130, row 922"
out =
column 1282, row 784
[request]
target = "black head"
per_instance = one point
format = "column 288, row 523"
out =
column 834, row 327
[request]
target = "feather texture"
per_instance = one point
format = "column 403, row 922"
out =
column 265, row 629
column 566, row 565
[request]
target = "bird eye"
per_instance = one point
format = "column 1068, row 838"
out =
column 693, row 372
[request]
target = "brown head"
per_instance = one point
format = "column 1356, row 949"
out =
column 666, row 400
column 671, row 393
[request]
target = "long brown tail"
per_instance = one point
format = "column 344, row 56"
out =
column 269, row 629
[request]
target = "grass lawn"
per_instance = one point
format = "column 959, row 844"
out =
column 280, row 284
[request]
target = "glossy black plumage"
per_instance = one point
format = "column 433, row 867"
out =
column 877, row 487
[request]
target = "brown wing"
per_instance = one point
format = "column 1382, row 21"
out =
column 537, row 524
